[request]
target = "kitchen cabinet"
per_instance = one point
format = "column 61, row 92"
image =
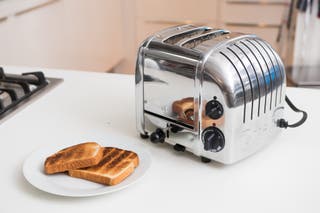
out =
column 262, row 18
column 104, row 35
column 70, row 34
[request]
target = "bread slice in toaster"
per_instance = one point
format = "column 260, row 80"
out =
column 184, row 109
column 115, row 166
column 74, row 157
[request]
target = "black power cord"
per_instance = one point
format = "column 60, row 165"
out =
column 282, row 123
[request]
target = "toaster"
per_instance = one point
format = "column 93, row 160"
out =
column 217, row 94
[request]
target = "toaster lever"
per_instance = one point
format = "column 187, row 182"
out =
column 144, row 136
column 179, row 148
column 157, row 136
column 205, row 160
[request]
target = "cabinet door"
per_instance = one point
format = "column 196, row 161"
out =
column 267, row 13
column 177, row 10
column 94, row 32
column 32, row 37
column 70, row 34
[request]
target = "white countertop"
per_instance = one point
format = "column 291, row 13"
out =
column 284, row 177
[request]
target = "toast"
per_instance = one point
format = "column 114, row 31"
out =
column 74, row 157
column 115, row 166
column 184, row 108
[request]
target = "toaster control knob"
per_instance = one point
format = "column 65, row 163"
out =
column 213, row 139
column 214, row 109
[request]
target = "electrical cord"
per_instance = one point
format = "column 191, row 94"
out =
column 282, row 123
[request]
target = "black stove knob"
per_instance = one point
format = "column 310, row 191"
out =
column 214, row 109
column 213, row 139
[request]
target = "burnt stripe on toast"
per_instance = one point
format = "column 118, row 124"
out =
column 116, row 165
column 74, row 157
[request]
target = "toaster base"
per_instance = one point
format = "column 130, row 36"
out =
column 248, row 140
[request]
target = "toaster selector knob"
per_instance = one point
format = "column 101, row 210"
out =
column 214, row 109
column 213, row 139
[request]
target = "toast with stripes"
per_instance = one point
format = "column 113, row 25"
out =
column 74, row 157
column 115, row 165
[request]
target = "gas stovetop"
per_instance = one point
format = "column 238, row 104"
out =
column 18, row 90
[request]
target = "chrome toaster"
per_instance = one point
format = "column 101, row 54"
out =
column 215, row 93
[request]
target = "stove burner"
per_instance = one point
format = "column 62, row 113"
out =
column 15, row 90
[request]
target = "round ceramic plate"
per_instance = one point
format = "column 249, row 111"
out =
column 64, row 185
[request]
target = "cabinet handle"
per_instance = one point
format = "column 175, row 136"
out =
column 258, row 2
column 258, row 25
column 22, row 12
column 2, row 19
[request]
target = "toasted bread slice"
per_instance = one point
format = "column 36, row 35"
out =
column 115, row 166
column 74, row 157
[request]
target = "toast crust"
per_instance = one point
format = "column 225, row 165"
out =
column 115, row 166
column 74, row 157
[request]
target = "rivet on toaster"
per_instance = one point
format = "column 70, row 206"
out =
column 215, row 93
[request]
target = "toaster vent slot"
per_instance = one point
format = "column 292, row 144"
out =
column 264, row 86
column 242, row 85
column 257, row 79
column 278, row 68
column 187, row 34
column 248, row 76
column 273, row 72
column 269, row 80
column 193, row 42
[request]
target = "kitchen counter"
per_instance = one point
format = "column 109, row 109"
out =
column 283, row 177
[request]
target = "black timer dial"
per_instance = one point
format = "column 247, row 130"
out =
column 213, row 139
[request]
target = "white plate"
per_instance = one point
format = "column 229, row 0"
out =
column 64, row 185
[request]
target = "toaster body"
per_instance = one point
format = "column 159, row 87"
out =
column 212, row 92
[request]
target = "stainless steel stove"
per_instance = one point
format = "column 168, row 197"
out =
column 16, row 90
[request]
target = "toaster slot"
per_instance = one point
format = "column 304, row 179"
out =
column 172, row 121
column 173, row 39
column 195, row 41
